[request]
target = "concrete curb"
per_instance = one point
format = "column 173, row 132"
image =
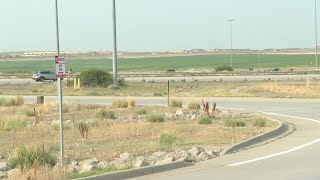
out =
column 280, row 130
column 140, row 171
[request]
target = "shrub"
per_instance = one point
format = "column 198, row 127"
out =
column 131, row 103
column 223, row 68
column 259, row 122
column 155, row 118
column 141, row 111
column 234, row 123
column 65, row 108
column 175, row 103
column 104, row 114
column 205, row 121
column 157, row 94
column 26, row 157
column 96, row 77
column 30, row 113
column 120, row 103
column 15, row 124
column 17, row 101
column 167, row 139
column 194, row 105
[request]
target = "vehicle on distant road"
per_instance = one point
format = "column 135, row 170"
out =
column 44, row 75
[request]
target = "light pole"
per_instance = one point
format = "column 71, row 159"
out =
column 231, row 58
column 115, row 52
column 59, row 89
column 316, row 33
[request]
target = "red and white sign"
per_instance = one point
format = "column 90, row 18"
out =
column 60, row 65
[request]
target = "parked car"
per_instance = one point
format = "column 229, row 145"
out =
column 44, row 75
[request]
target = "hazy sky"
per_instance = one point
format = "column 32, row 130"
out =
column 146, row 25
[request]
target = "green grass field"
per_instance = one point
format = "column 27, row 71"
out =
column 161, row 64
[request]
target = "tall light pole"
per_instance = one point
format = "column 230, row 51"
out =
column 316, row 33
column 231, row 48
column 59, row 89
column 115, row 52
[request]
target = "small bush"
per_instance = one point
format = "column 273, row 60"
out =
column 120, row 103
column 131, row 103
column 15, row 124
column 175, row 103
column 157, row 94
column 141, row 111
column 205, row 121
column 167, row 139
column 25, row 157
column 104, row 114
column 234, row 123
column 259, row 122
column 17, row 101
column 155, row 118
column 65, row 108
column 194, row 105
column 30, row 113
column 223, row 68
column 96, row 77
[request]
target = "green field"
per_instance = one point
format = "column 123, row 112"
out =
column 161, row 64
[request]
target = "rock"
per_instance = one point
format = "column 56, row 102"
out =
column 213, row 153
column 73, row 163
column 159, row 154
column 14, row 173
column 1, row 157
column 165, row 161
column 93, row 161
column 3, row 166
column 193, row 117
column 179, row 113
column 185, row 156
column 195, row 151
column 168, row 115
column 103, row 164
column 120, row 164
column 203, row 156
column 73, row 169
column 140, row 163
column 126, row 156
column 68, row 122
column 55, row 122
column 87, row 168
column 3, row 175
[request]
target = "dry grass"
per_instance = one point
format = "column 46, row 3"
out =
column 108, row 138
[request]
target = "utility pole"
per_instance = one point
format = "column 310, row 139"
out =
column 59, row 89
column 316, row 33
column 115, row 52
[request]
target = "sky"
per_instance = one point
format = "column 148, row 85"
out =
column 157, row 25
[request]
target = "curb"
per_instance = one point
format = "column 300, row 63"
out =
column 140, row 171
column 280, row 130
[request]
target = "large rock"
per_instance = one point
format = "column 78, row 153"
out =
column 103, row 164
column 179, row 113
column 3, row 175
column 185, row 156
column 3, row 166
column 126, row 157
column 195, row 151
column 165, row 161
column 93, row 161
column 203, row 157
column 87, row 168
column 14, row 173
column 159, row 154
column 140, row 163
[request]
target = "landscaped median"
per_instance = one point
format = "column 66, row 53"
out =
column 101, row 139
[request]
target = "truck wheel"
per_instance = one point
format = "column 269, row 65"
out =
column 41, row 79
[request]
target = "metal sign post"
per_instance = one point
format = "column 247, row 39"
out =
column 60, row 73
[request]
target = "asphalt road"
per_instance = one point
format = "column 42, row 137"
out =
column 193, row 78
column 295, row 157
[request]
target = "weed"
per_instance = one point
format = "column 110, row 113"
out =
column 120, row 103
column 131, row 103
column 167, row 139
column 155, row 118
column 259, row 122
column 26, row 157
column 157, row 94
column 17, row 101
column 84, row 130
column 30, row 113
column 234, row 123
column 141, row 111
column 205, row 121
column 175, row 103
column 104, row 114
column 194, row 105
column 14, row 124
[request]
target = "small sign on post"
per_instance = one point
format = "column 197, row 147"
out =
column 60, row 65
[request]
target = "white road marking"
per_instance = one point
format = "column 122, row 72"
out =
column 236, row 109
column 283, row 152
